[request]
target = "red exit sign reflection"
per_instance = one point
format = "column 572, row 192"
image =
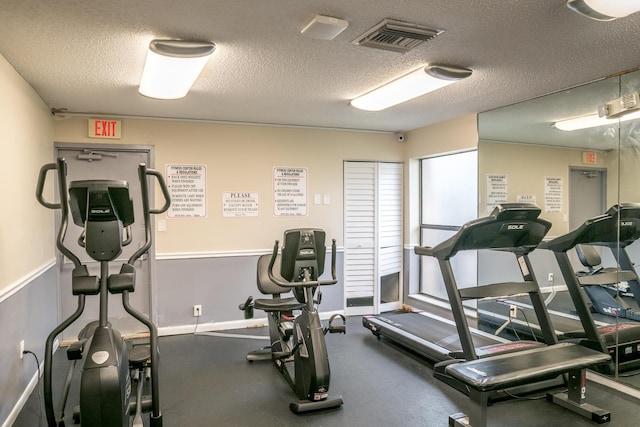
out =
column 589, row 157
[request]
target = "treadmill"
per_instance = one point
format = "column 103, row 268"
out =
column 604, row 288
column 616, row 229
column 511, row 227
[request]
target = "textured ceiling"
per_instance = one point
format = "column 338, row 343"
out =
column 87, row 56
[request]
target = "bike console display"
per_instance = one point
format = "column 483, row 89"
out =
column 303, row 250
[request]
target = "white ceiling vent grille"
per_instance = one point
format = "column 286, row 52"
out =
column 396, row 36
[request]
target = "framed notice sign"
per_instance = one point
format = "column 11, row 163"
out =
column 289, row 191
column 187, row 188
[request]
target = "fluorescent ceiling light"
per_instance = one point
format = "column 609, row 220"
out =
column 604, row 10
column 591, row 121
column 172, row 66
column 416, row 83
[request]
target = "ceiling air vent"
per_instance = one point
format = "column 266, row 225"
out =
column 396, row 36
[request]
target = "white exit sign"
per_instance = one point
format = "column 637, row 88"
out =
column 101, row 128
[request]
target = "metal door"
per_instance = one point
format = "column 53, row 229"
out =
column 587, row 198
column 587, row 195
column 107, row 162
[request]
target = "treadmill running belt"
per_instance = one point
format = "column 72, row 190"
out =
column 429, row 329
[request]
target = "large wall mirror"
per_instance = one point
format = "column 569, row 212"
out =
column 524, row 155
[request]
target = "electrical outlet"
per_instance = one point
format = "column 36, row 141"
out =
column 513, row 311
column 550, row 277
column 197, row 310
column 21, row 349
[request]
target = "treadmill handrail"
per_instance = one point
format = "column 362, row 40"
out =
column 424, row 250
column 607, row 278
column 619, row 225
column 581, row 235
column 495, row 290
column 513, row 227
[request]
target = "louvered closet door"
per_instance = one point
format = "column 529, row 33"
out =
column 373, row 236
column 359, row 241
column 389, row 231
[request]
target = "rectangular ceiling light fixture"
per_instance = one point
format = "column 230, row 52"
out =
column 591, row 121
column 625, row 108
column 172, row 66
column 418, row 82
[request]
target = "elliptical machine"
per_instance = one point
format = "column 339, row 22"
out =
column 298, row 347
column 105, row 211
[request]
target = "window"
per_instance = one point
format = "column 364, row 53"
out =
column 449, row 198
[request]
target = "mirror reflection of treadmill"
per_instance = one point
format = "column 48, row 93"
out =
column 620, row 223
column 514, row 228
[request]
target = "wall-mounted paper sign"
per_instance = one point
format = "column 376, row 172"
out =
column 187, row 186
column 239, row 204
column 526, row 198
column 553, row 194
column 496, row 190
column 289, row 191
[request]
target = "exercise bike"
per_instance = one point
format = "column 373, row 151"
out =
column 104, row 211
column 298, row 347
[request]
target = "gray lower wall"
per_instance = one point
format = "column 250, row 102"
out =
column 29, row 314
column 220, row 284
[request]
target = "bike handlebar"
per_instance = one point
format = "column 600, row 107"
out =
column 303, row 284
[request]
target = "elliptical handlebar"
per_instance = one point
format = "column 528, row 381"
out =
column 61, row 167
column 143, row 173
column 307, row 284
column 42, row 178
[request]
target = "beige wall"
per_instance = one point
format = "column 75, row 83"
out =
column 445, row 137
column 629, row 171
column 454, row 135
column 26, row 134
column 527, row 165
column 241, row 158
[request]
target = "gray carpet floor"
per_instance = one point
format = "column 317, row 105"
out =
column 206, row 381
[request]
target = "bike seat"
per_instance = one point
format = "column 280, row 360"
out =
column 278, row 304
